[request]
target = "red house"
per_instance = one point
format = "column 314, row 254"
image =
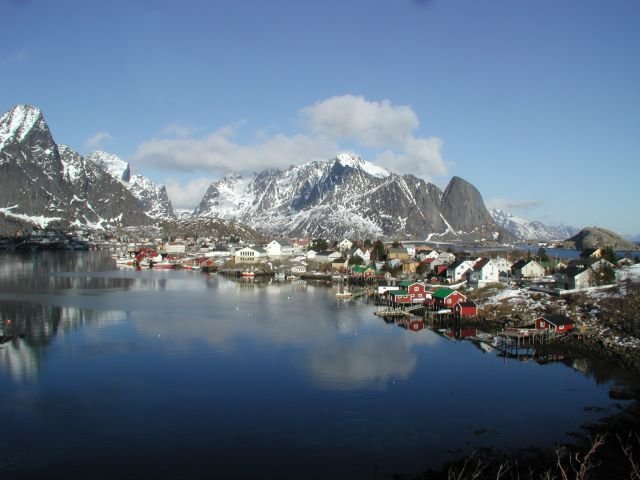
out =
column 466, row 308
column 416, row 290
column 556, row 323
column 446, row 298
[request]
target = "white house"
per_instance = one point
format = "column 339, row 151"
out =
column 573, row 277
column 411, row 249
column 250, row 255
column 527, row 269
column 484, row 272
column 502, row 264
column 365, row 255
column 446, row 257
column 345, row 245
column 298, row 269
column 175, row 247
column 311, row 254
column 430, row 254
column 279, row 248
column 458, row 270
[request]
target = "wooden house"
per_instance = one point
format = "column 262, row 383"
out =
column 483, row 273
column 446, row 298
column 466, row 308
column 527, row 269
column 416, row 290
column 556, row 323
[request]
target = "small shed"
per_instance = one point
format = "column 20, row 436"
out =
column 466, row 308
column 555, row 323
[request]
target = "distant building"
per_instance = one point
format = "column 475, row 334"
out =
column 279, row 248
column 175, row 247
column 250, row 255
column 526, row 269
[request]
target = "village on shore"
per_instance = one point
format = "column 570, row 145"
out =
column 525, row 297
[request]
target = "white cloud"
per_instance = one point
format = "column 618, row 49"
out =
column 217, row 152
column 512, row 205
column 373, row 124
column 186, row 195
column 95, row 140
column 421, row 157
column 348, row 122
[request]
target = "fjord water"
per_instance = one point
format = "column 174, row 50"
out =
column 178, row 374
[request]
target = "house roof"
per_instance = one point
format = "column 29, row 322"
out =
column 468, row 303
column 326, row 253
column 397, row 250
column 557, row 320
column 573, row 271
column 255, row 249
column 361, row 268
column 397, row 292
column 524, row 262
column 442, row 292
column 479, row 265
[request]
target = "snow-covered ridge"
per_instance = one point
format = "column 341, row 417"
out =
column 525, row 229
column 354, row 161
column 18, row 122
column 152, row 196
column 112, row 164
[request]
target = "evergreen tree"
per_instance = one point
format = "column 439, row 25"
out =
column 378, row 252
column 356, row 260
column 609, row 254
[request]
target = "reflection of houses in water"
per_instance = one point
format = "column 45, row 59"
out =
column 457, row 332
column 27, row 330
column 411, row 325
column 19, row 359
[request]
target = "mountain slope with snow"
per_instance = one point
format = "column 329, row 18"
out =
column 349, row 197
column 524, row 229
column 43, row 184
column 153, row 197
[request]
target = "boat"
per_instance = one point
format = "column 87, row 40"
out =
column 344, row 295
column 248, row 273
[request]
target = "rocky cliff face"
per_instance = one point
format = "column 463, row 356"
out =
column 97, row 196
column 349, row 197
column 31, row 171
column 153, row 197
column 43, row 184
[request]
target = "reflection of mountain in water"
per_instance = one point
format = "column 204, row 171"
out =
column 35, row 271
column 27, row 330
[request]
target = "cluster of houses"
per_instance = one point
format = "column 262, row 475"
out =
column 409, row 260
column 439, row 267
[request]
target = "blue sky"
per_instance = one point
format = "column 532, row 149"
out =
column 535, row 102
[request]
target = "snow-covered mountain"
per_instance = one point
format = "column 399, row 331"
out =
column 524, row 229
column 350, row 197
column 112, row 164
column 43, row 184
column 152, row 196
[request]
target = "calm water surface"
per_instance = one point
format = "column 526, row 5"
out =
column 180, row 374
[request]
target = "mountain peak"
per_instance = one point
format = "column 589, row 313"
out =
column 358, row 163
column 18, row 122
column 112, row 164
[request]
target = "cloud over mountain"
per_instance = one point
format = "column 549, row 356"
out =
column 326, row 127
